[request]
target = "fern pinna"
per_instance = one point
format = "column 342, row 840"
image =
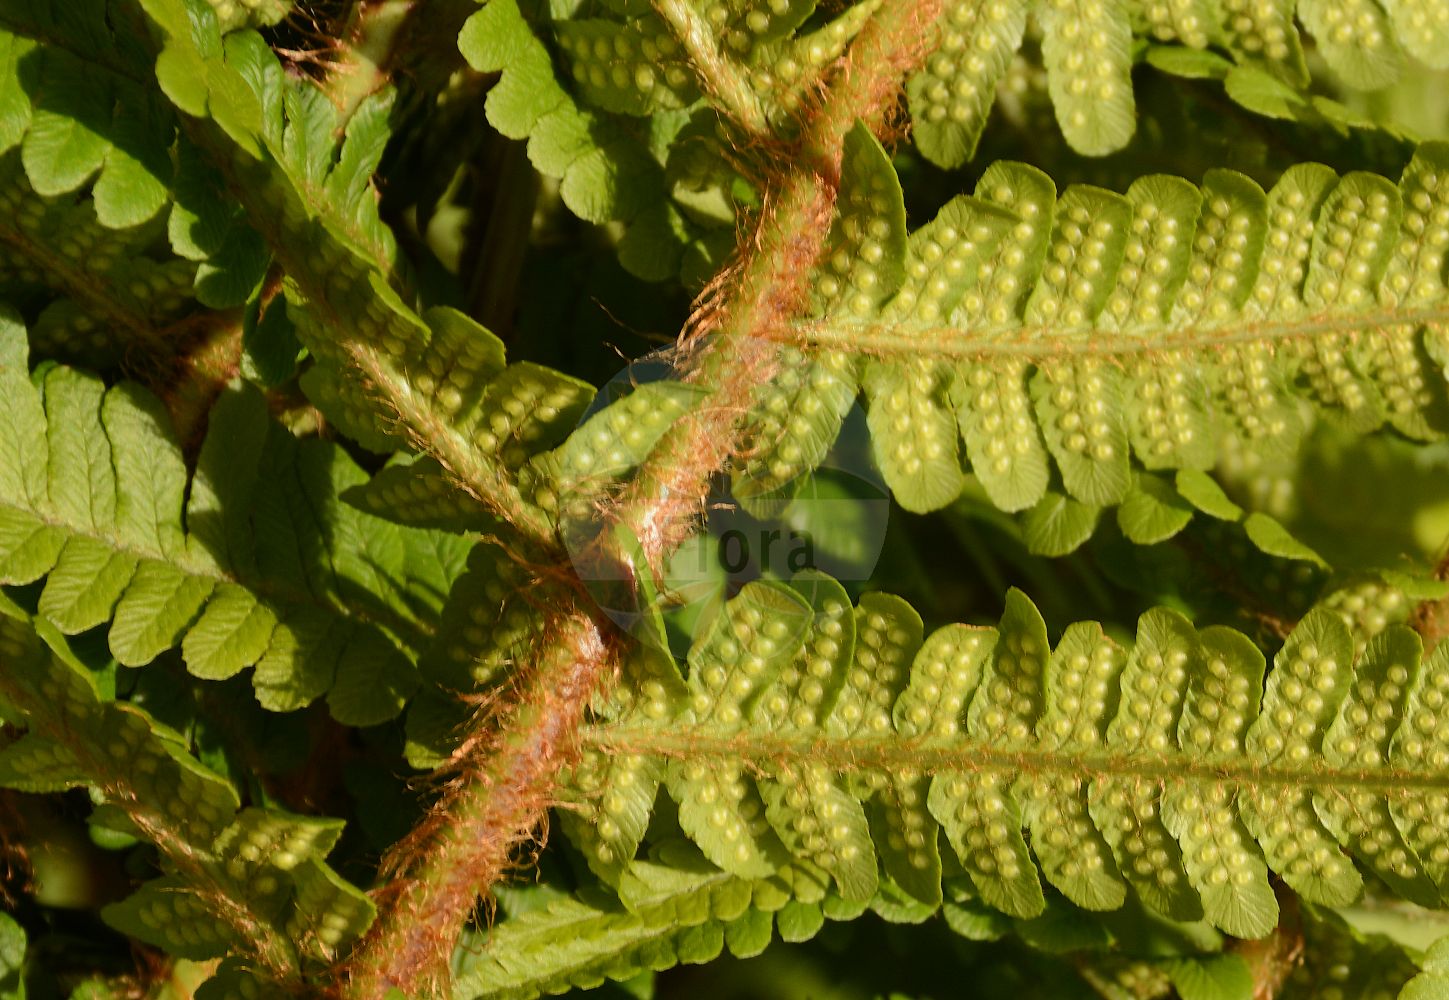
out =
column 818, row 749
column 322, row 601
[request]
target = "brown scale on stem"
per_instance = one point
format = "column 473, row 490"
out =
column 495, row 803
column 766, row 289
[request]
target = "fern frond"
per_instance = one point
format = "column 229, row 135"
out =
column 609, row 169
column 1087, row 51
column 249, row 882
column 388, row 376
column 677, row 909
column 747, row 59
column 1164, row 768
column 263, row 567
column 1093, row 327
column 109, row 239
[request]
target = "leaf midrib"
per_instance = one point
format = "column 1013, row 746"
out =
column 1036, row 342
column 929, row 756
column 669, row 927
column 279, row 596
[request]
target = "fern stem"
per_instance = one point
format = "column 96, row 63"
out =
column 754, row 304
column 719, row 75
column 870, row 76
column 448, row 861
column 1431, row 616
column 496, row 803
column 270, row 951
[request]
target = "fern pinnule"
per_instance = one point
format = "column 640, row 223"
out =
column 246, row 883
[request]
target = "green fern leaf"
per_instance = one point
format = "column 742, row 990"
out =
column 207, row 227
column 793, row 425
column 35, row 764
column 87, row 174
column 1361, row 734
column 526, row 410
column 618, row 437
column 1151, row 325
column 1129, row 815
column 489, row 618
column 633, row 68
column 235, row 880
column 952, row 95
column 680, row 916
column 329, row 913
column 1421, row 26
column 1356, row 39
column 1072, row 854
column 605, row 172
column 168, row 915
column 933, row 703
column 1153, row 511
column 418, row 492
column 617, row 796
column 731, row 665
column 94, row 503
column 997, row 855
column 1087, row 50
column 1153, row 767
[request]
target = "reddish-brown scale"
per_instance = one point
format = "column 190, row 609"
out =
column 496, row 802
